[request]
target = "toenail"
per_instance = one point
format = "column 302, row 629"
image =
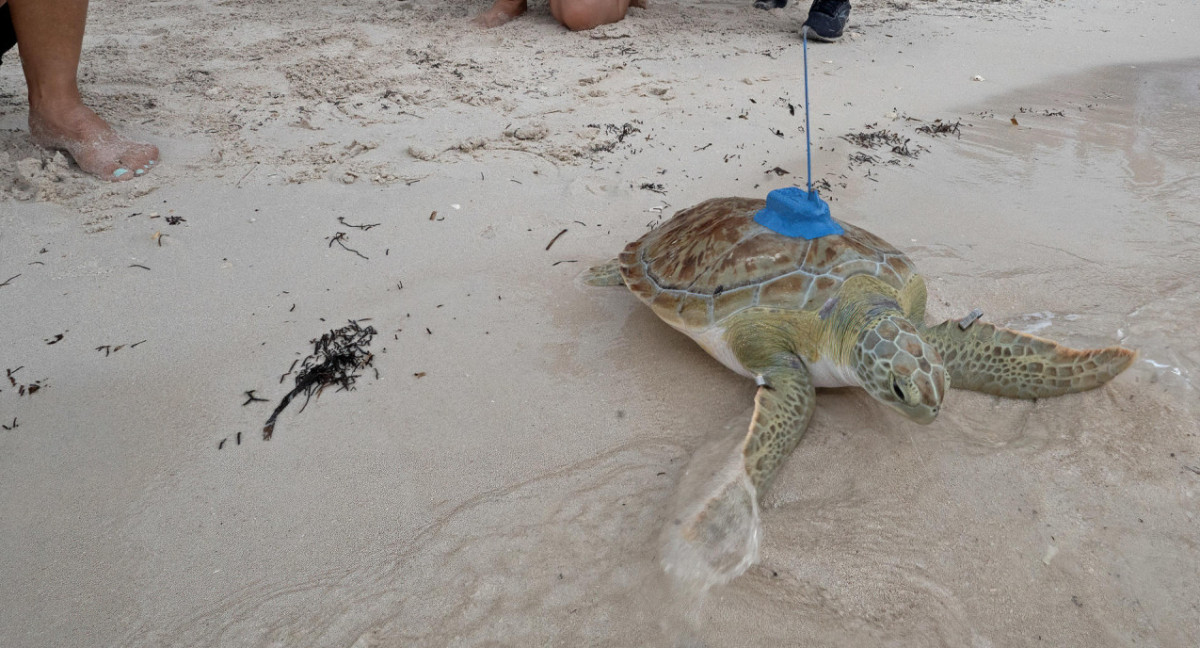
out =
column 120, row 172
column 152, row 162
column 140, row 171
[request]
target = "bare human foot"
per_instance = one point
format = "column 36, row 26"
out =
column 50, row 35
column 500, row 12
column 94, row 145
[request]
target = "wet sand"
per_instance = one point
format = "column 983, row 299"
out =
column 513, row 494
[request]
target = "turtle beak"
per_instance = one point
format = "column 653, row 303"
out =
column 924, row 414
column 931, row 383
column 928, row 401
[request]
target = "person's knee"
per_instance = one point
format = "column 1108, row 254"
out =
column 578, row 15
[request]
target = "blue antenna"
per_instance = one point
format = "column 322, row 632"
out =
column 791, row 211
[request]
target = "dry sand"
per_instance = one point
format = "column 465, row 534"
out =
column 513, row 494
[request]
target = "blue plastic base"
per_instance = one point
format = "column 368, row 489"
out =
column 794, row 212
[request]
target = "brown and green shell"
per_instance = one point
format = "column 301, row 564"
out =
column 712, row 260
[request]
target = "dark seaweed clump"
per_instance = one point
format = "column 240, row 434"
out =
column 337, row 358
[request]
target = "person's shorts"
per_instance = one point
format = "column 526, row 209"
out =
column 8, row 36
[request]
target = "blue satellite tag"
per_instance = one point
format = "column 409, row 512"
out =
column 797, row 213
column 792, row 211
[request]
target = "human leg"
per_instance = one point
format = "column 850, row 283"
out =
column 50, row 38
column 578, row 15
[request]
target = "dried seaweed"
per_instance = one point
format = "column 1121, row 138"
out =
column 340, row 238
column 1044, row 113
column 621, row 132
column 337, row 358
column 902, row 149
column 365, row 227
column 618, row 132
column 251, row 397
column 556, row 237
column 939, row 127
column 858, row 157
column 872, row 138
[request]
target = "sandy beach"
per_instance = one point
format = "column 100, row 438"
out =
column 501, row 474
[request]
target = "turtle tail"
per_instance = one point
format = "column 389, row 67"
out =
column 1003, row 362
column 605, row 274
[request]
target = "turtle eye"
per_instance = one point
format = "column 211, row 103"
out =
column 898, row 391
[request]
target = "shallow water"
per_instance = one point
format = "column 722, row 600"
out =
column 1067, row 521
column 1129, row 137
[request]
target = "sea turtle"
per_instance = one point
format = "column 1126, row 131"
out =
column 796, row 314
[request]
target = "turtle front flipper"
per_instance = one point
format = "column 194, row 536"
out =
column 605, row 274
column 1003, row 362
column 715, row 538
column 782, row 408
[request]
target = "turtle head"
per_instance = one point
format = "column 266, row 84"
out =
column 899, row 368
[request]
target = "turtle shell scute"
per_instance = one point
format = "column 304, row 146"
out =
column 711, row 260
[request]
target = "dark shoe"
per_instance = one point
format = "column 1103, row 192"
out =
column 770, row 4
column 827, row 20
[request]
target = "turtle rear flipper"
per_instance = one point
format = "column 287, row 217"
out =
column 605, row 274
column 1003, row 362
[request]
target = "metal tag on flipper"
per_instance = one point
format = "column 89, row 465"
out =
column 794, row 212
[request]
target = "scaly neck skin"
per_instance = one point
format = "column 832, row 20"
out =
column 765, row 337
column 860, row 304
